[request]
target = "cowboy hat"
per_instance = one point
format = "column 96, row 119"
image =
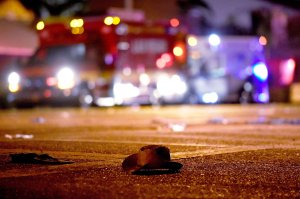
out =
column 151, row 158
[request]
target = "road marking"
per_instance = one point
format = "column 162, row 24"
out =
column 215, row 151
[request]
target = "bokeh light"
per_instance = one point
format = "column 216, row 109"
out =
column 40, row 25
column 263, row 40
column 174, row 22
column 108, row 20
column 192, row 41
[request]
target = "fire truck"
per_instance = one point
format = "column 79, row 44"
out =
column 101, row 61
column 150, row 65
column 68, row 66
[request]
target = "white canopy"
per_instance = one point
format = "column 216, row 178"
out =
column 17, row 38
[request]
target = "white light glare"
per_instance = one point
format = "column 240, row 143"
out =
column 13, row 82
column 177, row 127
column 144, row 79
column 168, row 86
column 210, row 97
column 88, row 99
column 214, row 40
column 125, row 90
column 13, row 78
column 65, row 78
column 105, row 101
column 192, row 41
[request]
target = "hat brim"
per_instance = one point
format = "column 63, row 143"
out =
column 130, row 165
column 167, row 168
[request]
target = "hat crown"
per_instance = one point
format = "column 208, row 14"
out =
column 150, row 158
column 153, row 156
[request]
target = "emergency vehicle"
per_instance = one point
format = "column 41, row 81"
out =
column 227, row 69
column 68, row 65
column 102, row 61
column 150, row 65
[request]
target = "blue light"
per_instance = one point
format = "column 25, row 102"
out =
column 260, row 71
column 263, row 97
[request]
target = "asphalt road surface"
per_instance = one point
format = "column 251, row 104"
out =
column 227, row 151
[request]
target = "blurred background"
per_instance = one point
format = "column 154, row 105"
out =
column 134, row 52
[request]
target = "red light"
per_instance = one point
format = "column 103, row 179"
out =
column 174, row 22
column 165, row 60
column 287, row 69
column 51, row 81
column 160, row 63
column 48, row 93
column 168, row 59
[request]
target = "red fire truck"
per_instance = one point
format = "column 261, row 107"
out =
column 103, row 61
column 150, row 65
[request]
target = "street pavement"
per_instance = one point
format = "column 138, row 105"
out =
column 227, row 151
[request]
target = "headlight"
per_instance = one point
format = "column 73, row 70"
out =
column 214, row 40
column 125, row 90
column 173, row 85
column 65, row 78
column 144, row 79
column 13, row 82
column 210, row 98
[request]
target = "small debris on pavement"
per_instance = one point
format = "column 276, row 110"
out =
column 218, row 120
column 168, row 125
column 33, row 158
column 286, row 121
column 177, row 127
column 276, row 121
column 151, row 160
column 18, row 136
column 39, row 120
column 259, row 120
column 65, row 114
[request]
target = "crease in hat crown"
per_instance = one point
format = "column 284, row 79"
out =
column 148, row 157
column 153, row 155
